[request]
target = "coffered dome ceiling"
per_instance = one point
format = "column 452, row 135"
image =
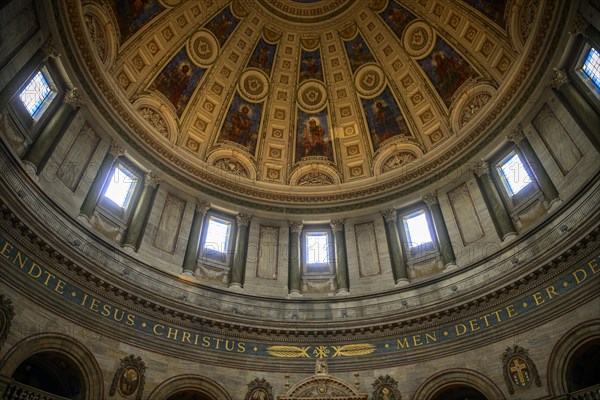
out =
column 326, row 104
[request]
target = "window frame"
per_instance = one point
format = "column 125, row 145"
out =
column 580, row 79
column 227, row 255
column 29, row 124
column 422, row 251
column 317, row 269
column 119, row 214
column 528, row 194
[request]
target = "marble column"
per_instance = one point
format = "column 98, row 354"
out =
column 517, row 136
column 295, row 267
column 341, row 257
column 93, row 195
column 45, row 143
column 501, row 218
column 579, row 107
column 193, row 245
column 395, row 247
column 238, row 268
column 135, row 231
column 444, row 243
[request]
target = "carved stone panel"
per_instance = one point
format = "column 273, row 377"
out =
column 170, row 222
column 556, row 138
column 78, row 157
column 268, row 252
column 465, row 214
column 366, row 247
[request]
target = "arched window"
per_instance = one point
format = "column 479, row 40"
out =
column 583, row 367
column 459, row 393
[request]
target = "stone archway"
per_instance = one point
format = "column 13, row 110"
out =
column 458, row 378
column 185, row 383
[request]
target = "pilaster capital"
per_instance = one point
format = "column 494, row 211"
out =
column 116, row 150
column 559, row 78
column 579, row 25
column 337, row 225
column 295, row 226
column 50, row 49
column 517, row 135
column 151, row 180
column 74, row 98
column 482, row 168
column 202, row 206
column 430, row 199
column 243, row 219
column 390, row 215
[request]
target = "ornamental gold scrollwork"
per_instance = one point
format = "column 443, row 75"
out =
column 348, row 350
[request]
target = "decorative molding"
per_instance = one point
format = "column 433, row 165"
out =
column 559, row 78
column 259, row 389
column 151, row 180
column 116, row 150
column 579, row 25
column 129, row 379
column 155, row 119
column 482, row 168
column 295, row 226
column 337, row 225
column 390, row 215
column 430, row 199
column 74, row 98
column 50, row 49
column 517, row 135
column 386, row 388
column 519, row 370
column 7, row 313
column 243, row 219
column 202, row 206
column 321, row 367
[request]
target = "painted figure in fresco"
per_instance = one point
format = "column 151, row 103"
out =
column 385, row 124
column 222, row 26
column 396, row 17
column 310, row 66
column 259, row 395
column 451, row 72
column 314, row 142
column 127, row 13
column 358, row 52
column 128, row 383
column 239, row 127
column 263, row 57
column 174, row 82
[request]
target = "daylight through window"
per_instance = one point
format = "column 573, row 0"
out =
column 317, row 248
column 217, row 235
column 120, row 187
column 515, row 174
column 417, row 229
column 591, row 67
column 35, row 93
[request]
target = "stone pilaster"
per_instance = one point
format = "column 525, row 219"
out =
column 341, row 257
column 238, row 268
column 444, row 243
column 295, row 272
column 193, row 245
column 517, row 136
column 45, row 143
column 93, row 195
column 135, row 231
column 395, row 247
column 500, row 216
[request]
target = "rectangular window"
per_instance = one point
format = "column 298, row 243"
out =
column 417, row 229
column 35, row 94
column 514, row 175
column 591, row 67
column 318, row 250
column 217, row 239
column 120, row 186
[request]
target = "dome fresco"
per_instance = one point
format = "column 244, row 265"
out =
column 310, row 105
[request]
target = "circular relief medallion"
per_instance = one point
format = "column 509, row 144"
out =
column 254, row 85
column 418, row 39
column 312, row 96
column 369, row 80
column 129, row 381
column 203, row 48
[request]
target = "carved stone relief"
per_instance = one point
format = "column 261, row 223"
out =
column 232, row 166
column 466, row 216
column 79, row 155
column 7, row 313
column 519, row 369
column 155, row 119
column 170, row 221
column 385, row 388
column 129, row 379
column 315, row 178
column 259, row 389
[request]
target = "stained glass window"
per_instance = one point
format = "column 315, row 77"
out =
column 591, row 67
column 35, row 93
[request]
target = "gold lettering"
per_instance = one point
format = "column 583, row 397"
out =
column 538, row 298
column 60, row 287
column 431, row 337
column 85, row 296
column 510, row 310
column 106, row 310
column 116, row 318
column 241, row 347
column 417, row 340
column 94, row 304
column 474, row 325
column 19, row 256
column 402, row 343
column 576, row 276
column 227, row 345
column 6, row 249
column 462, row 331
column 205, row 341
column 551, row 291
column 172, row 332
column 48, row 277
column 130, row 320
column 186, row 337
column 218, row 342
column 196, row 339
column 38, row 272
column 497, row 314
column 155, row 330
column 485, row 318
column 594, row 266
